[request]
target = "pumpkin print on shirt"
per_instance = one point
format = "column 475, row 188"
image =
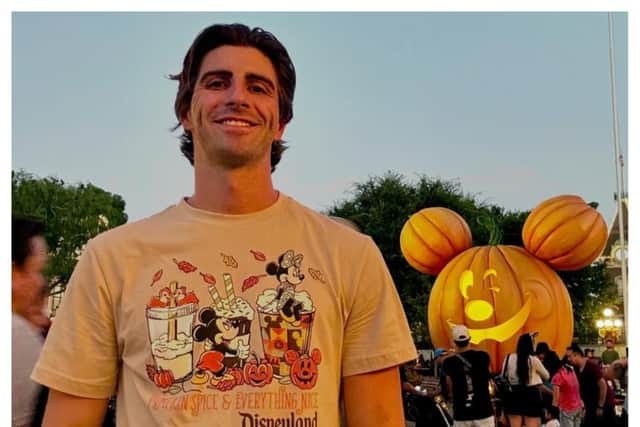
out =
column 203, row 344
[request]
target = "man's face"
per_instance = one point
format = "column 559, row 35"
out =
column 575, row 359
column 609, row 344
column 234, row 114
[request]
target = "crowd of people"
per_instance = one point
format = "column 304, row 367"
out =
column 541, row 388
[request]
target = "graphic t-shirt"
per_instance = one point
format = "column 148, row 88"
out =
column 197, row 318
column 470, row 385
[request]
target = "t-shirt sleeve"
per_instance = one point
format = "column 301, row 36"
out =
column 539, row 368
column 377, row 335
column 80, row 355
column 557, row 379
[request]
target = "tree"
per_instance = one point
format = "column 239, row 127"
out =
column 72, row 215
column 381, row 205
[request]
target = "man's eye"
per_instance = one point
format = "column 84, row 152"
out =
column 215, row 84
column 257, row 89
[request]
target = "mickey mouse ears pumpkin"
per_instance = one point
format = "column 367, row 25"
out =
column 499, row 292
column 432, row 237
column 565, row 232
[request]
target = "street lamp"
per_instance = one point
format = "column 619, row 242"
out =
column 609, row 327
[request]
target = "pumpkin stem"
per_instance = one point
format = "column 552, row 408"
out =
column 594, row 205
column 489, row 223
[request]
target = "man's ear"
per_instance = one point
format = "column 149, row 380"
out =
column 279, row 132
column 186, row 122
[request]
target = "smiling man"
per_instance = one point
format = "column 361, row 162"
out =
column 237, row 306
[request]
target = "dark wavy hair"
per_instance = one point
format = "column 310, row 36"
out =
column 235, row 35
column 23, row 229
column 524, row 350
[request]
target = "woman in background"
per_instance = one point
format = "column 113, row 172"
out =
column 526, row 373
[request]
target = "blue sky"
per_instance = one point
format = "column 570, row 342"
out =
column 514, row 106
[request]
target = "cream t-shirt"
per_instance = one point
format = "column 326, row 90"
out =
column 537, row 372
column 197, row 318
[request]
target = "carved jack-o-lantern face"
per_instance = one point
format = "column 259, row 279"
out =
column 499, row 292
column 257, row 374
column 304, row 369
column 480, row 310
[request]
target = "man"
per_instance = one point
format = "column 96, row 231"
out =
column 467, row 375
column 237, row 306
column 28, row 260
column 609, row 355
column 599, row 407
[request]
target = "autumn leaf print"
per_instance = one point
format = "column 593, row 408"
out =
column 317, row 274
column 258, row 255
column 251, row 281
column 156, row 277
column 229, row 261
column 185, row 266
column 208, row 278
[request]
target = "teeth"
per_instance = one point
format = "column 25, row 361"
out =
column 236, row 123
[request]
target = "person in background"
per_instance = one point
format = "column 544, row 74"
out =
column 114, row 328
column 467, row 375
column 526, row 374
column 599, row 408
column 566, row 395
column 29, row 255
column 551, row 362
column 551, row 417
column 617, row 373
column 609, row 355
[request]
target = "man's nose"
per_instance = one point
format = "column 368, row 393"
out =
column 238, row 95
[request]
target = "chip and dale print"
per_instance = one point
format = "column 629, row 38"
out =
column 221, row 331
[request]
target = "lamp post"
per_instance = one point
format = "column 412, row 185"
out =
column 619, row 163
column 610, row 326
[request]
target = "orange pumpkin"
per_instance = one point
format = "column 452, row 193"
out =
column 432, row 237
column 257, row 373
column 565, row 232
column 499, row 292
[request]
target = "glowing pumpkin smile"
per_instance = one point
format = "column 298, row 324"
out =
column 503, row 331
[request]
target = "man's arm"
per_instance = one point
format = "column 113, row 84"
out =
column 602, row 395
column 66, row 410
column 373, row 399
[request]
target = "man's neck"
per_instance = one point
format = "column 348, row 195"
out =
column 239, row 191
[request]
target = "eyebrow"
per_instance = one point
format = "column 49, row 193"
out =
column 249, row 76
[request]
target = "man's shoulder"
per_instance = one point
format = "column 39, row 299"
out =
column 333, row 227
column 150, row 224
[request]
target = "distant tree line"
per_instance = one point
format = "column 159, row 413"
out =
column 72, row 214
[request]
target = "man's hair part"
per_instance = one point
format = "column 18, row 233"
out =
column 235, row 35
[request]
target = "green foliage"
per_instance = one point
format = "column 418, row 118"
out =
column 380, row 207
column 72, row 215
column 591, row 290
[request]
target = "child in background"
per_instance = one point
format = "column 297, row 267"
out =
column 551, row 417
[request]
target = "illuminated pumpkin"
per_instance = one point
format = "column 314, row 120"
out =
column 499, row 292
column 565, row 232
column 432, row 237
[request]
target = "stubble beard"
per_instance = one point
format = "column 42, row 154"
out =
column 233, row 154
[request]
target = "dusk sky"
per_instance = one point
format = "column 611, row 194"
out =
column 514, row 106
